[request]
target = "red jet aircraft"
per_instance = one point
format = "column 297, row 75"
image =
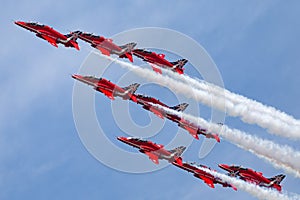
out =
column 106, row 46
column 195, row 130
column 252, row 176
column 155, row 151
column 147, row 103
column 49, row 34
column 159, row 60
column 108, row 88
column 209, row 179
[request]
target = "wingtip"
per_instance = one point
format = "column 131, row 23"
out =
column 195, row 136
column 234, row 188
column 217, row 138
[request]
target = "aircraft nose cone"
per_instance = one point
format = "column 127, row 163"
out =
column 75, row 76
column 19, row 23
column 121, row 139
column 223, row 166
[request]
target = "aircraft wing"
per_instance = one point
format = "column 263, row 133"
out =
column 250, row 178
column 49, row 39
column 152, row 157
column 107, row 93
column 208, row 181
column 156, row 68
column 156, row 112
column 191, row 130
column 103, row 51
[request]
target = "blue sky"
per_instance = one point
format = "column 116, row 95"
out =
column 254, row 44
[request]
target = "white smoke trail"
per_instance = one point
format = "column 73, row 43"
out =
column 256, row 191
column 249, row 110
column 236, row 105
column 280, row 156
column 234, row 98
column 286, row 158
column 279, row 165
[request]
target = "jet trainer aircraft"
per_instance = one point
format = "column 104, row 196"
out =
column 108, row 88
column 252, row 176
column 147, row 103
column 49, row 34
column 159, row 60
column 209, row 179
column 195, row 130
column 106, row 46
column 155, row 151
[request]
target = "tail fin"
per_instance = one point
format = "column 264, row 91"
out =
column 131, row 88
column 176, row 154
column 73, row 35
column 178, row 151
column 126, row 50
column 180, row 107
column 178, row 65
column 128, row 47
column 277, row 179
